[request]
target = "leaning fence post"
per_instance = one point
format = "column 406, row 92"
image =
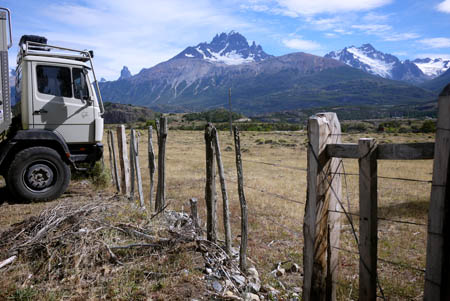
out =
column 320, row 260
column 161, row 189
column 210, row 187
column 123, row 159
column 243, row 202
column 437, row 276
column 223, row 186
column 151, row 163
column 113, row 157
column 368, row 219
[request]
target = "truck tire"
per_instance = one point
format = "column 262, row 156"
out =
column 38, row 174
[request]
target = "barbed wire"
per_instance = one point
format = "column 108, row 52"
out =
column 270, row 193
column 383, row 218
column 272, row 164
column 389, row 178
column 400, row 264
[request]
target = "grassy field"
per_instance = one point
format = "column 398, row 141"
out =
column 276, row 193
column 276, row 222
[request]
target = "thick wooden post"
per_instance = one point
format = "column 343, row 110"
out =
column 151, row 163
column 210, row 187
column 320, row 258
column 223, row 186
column 123, row 159
column 368, row 237
column 113, row 154
column 243, row 202
column 437, row 276
column 161, row 189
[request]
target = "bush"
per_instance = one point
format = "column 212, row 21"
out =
column 428, row 126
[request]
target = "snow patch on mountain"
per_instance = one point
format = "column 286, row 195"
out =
column 432, row 67
column 375, row 65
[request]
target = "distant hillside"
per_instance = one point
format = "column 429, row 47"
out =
column 439, row 83
column 288, row 82
column 120, row 113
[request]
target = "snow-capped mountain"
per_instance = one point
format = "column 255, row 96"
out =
column 375, row 62
column 230, row 49
column 432, row 67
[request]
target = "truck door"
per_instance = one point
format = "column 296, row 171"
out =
column 60, row 103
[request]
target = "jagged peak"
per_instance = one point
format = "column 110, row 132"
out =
column 230, row 48
column 125, row 73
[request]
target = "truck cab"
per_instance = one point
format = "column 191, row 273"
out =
column 55, row 91
column 58, row 123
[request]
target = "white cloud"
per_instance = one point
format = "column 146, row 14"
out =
column 436, row 42
column 395, row 37
column 136, row 33
column 372, row 17
column 385, row 32
column 373, row 28
column 308, row 7
column 444, row 6
column 300, row 44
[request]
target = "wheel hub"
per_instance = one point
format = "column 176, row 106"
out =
column 39, row 176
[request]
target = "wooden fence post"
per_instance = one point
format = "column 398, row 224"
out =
column 368, row 235
column 151, row 163
column 194, row 214
column 111, row 167
column 123, row 159
column 320, row 259
column 223, row 186
column 132, row 165
column 437, row 276
column 243, row 202
column 161, row 189
column 210, row 187
column 136, row 166
column 113, row 157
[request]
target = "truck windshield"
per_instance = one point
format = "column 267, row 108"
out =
column 80, row 85
column 54, row 80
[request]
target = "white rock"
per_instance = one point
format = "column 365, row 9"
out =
column 251, row 297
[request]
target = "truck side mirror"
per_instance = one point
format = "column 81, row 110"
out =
column 84, row 87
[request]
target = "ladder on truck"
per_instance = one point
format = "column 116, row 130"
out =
column 5, row 44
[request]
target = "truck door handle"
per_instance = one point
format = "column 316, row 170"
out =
column 41, row 111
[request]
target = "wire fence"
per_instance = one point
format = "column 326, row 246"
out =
column 345, row 209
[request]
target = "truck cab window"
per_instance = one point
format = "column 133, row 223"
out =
column 80, row 85
column 54, row 80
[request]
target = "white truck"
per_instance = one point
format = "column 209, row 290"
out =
column 58, row 124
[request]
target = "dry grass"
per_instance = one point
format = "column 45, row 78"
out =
column 275, row 224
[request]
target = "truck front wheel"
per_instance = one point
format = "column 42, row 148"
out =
column 38, row 174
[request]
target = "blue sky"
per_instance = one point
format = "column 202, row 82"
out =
column 140, row 33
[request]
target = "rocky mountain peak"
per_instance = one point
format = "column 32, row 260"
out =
column 230, row 49
column 125, row 73
column 375, row 62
